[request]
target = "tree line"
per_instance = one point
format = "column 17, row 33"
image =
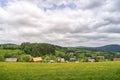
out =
column 27, row 50
column 38, row 49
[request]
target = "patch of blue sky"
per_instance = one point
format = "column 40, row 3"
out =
column 55, row 7
column 3, row 3
column 72, row 5
column 44, row 0
column 61, row 6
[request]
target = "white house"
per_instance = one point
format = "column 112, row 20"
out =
column 91, row 60
column 61, row 60
column 52, row 61
column 11, row 59
column 73, row 59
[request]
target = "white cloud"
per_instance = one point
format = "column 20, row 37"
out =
column 90, row 23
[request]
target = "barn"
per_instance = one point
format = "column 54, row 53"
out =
column 91, row 60
column 11, row 59
column 36, row 59
column 73, row 59
column 116, row 59
column 60, row 60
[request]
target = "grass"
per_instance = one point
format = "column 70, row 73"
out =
column 60, row 71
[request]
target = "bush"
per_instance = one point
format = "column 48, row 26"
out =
column 24, row 58
column 46, row 58
column 10, row 55
column 2, row 58
column 84, row 59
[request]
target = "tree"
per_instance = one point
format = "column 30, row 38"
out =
column 2, row 58
column 26, row 47
column 47, row 58
column 38, row 49
column 11, row 47
column 84, row 59
column 24, row 58
column 68, row 56
column 60, row 54
column 100, row 58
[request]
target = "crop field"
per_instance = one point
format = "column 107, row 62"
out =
column 60, row 71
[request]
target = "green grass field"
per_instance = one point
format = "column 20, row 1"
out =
column 60, row 71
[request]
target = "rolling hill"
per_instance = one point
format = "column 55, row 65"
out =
column 106, row 48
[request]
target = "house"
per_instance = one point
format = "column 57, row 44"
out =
column 106, row 60
column 61, row 60
column 116, row 59
column 71, row 53
column 52, row 61
column 73, row 59
column 91, row 60
column 11, row 59
column 36, row 59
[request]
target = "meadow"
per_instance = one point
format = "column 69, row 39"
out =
column 60, row 71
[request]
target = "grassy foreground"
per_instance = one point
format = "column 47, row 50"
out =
column 60, row 71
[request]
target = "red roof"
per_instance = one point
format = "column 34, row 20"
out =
column 116, row 59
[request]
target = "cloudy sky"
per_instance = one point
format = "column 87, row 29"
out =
column 60, row 22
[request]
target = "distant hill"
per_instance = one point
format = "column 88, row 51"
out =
column 106, row 48
column 8, row 44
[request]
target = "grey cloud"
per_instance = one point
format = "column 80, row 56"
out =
column 2, row 29
column 111, row 17
column 110, row 29
column 112, row 5
column 69, row 28
column 116, row 5
column 94, row 4
column 113, row 20
column 89, row 36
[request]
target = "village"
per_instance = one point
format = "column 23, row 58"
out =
column 48, row 53
column 59, row 60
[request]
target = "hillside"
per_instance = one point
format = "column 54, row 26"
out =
column 26, row 51
column 106, row 48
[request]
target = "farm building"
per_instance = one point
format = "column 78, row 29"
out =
column 116, row 59
column 52, row 61
column 91, row 60
column 71, row 53
column 11, row 59
column 73, row 59
column 61, row 60
column 36, row 59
